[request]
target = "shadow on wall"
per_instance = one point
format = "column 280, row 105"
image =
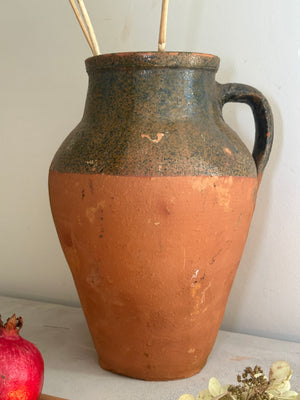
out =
column 234, row 320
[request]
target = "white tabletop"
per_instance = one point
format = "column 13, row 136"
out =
column 72, row 370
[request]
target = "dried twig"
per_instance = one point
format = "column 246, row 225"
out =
column 81, row 23
column 163, row 26
column 89, row 26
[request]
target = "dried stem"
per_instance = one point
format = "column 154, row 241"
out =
column 163, row 26
column 81, row 23
column 89, row 27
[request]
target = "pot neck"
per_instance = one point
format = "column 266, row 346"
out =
column 170, row 85
column 146, row 60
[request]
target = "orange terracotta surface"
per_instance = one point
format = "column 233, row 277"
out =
column 153, row 260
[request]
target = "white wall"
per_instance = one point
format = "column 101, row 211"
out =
column 43, row 86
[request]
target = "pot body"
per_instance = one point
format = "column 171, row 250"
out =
column 152, row 196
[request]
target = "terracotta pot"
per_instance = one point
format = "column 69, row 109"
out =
column 152, row 196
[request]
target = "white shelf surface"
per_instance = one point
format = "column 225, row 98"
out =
column 71, row 364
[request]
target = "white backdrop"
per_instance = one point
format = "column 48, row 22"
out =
column 42, row 92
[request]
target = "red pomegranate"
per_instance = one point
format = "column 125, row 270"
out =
column 21, row 364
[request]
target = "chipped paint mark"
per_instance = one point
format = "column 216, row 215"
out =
column 204, row 293
column 194, row 277
column 192, row 350
column 156, row 223
column 90, row 212
column 224, row 197
column 159, row 137
column 203, row 184
column 199, row 294
column 196, row 290
column 195, row 274
column 93, row 278
column 221, row 186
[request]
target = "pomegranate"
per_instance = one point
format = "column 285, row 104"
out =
column 21, row 364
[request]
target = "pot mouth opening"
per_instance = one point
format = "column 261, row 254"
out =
column 150, row 60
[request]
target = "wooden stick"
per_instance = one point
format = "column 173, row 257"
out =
column 89, row 26
column 83, row 27
column 163, row 26
column 47, row 397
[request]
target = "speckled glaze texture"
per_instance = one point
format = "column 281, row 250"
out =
column 159, row 114
column 152, row 195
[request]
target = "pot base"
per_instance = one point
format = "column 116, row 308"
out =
column 148, row 375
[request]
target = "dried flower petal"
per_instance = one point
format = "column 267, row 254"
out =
column 280, row 371
column 204, row 395
column 252, row 385
column 187, row 397
column 214, row 387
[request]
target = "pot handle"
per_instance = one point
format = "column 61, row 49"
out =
column 264, row 129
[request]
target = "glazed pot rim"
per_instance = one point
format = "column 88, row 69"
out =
column 152, row 59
